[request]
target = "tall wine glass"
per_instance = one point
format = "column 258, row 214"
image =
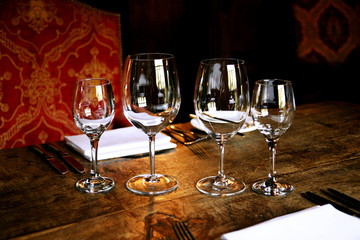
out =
column 93, row 111
column 151, row 101
column 221, row 105
column 273, row 109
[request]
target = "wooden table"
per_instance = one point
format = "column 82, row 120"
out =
column 320, row 150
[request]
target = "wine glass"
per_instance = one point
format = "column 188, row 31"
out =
column 221, row 104
column 151, row 100
column 93, row 111
column 273, row 109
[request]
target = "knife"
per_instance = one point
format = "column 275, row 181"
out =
column 57, row 164
column 321, row 201
column 343, row 195
column 67, row 158
column 343, row 198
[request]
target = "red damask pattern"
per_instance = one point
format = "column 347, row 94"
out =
column 328, row 30
column 45, row 46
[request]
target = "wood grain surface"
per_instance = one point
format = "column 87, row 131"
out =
column 320, row 150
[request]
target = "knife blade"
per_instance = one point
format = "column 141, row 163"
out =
column 321, row 201
column 57, row 164
column 343, row 198
column 351, row 199
column 67, row 158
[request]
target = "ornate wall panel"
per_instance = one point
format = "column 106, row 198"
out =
column 45, row 46
column 328, row 30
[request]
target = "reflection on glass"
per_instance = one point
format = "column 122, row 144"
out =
column 273, row 109
column 151, row 100
column 221, row 104
column 93, row 111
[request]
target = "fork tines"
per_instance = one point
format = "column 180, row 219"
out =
column 182, row 231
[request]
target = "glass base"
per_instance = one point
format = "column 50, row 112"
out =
column 101, row 184
column 148, row 184
column 227, row 187
column 275, row 189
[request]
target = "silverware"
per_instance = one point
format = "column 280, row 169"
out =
column 188, row 133
column 203, row 151
column 321, row 201
column 182, row 231
column 177, row 136
column 192, row 116
column 342, row 198
column 186, row 139
column 67, row 158
column 57, row 164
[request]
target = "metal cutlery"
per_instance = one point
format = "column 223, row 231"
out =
column 67, row 158
column 317, row 199
column 343, row 198
column 188, row 133
column 184, row 136
column 177, row 136
column 182, row 231
column 57, row 164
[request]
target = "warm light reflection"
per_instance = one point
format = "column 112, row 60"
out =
column 215, row 75
column 98, row 93
column 231, row 77
column 160, row 74
column 281, row 96
column 211, row 106
column 141, row 101
column 264, row 112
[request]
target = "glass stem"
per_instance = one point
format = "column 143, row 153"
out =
column 152, row 154
column 94, row 172
column 272, row 157
column 221, row 174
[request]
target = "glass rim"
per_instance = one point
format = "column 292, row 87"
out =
column 150, row 56
column 273, row 81
column 234, row 60
column 103, row 81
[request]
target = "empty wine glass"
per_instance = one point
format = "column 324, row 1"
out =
column 151, row 100
column 273, row 109
column 221, row 105
column 93, row 111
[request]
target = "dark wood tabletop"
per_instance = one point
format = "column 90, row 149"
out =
column 320, row 150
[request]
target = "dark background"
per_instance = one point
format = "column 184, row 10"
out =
column 262, row 32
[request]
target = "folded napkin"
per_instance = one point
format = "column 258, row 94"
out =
column 320, row 222
column 119, row 142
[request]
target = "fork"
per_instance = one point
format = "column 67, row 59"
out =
column 182, row 231
column 183, row 136
column 188, row 134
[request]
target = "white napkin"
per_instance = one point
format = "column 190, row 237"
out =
column 247, row 127
column 119, row 142
column 319, row 222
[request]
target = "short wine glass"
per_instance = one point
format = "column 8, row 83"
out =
column 93, row 111
column 151, row 100
column 273, row 109
column 221, row 104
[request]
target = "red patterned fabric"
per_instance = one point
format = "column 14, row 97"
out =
column 328, row 30
column 45, row 46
